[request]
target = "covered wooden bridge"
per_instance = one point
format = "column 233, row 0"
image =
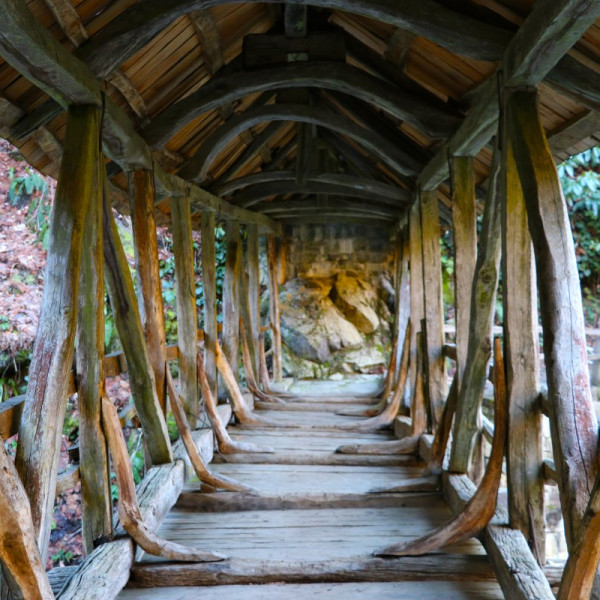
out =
column 272, row 119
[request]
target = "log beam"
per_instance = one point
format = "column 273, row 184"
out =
column 209, row 284
column 187, row 320
column 253, row 267
column 274, row 306
column 572, row 418
column 231, row 296
column 38, row 451
column 149, row 291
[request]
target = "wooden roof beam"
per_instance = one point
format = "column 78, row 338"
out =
column 383, row 191
column 256, row 193
column 210, row 39
column 547, row 34
column 197, row 167
column 434, row 122
column 280, row 208
column 35, row 53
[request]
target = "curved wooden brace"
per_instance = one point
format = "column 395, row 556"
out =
column 21, row 560
column 387, row 416
column 460, row 34
column 221, row 482
column 480, row 509
column 129, row 510
column 334, row 76
column 196, row 168
column 282, row 208
column 242, row 413
column 226, row 444
column 442, row 433
column 250, row 378
column 387, row 194
column 264, row 372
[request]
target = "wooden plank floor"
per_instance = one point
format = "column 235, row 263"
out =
column 310, row 529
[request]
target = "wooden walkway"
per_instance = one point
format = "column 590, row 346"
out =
column 312, row 526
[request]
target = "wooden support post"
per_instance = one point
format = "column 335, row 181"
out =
column 435, row 372
column 187, row 319
column 131, row 334
column 403, row 298
column 40, row 433
column 483, row 304
column 141, row 196
column 96, row 505
column 252, row 263
column 464, row 222
column 22, row 564
column 418, row 411
column 209, row 283
column 519, row 293
column 416, row 288
column 572, row 419
column 231, row 296
column 274, row 305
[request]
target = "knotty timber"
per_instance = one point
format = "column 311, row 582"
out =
column 129, row 328
column 435, row 364
column 187, row 321
column 274, row 306
column 464, row 222
column 524, row 456
column 149, row 290
column 96, row 508
column 33, row 51
column 336, row 76
column 574, row 432
column 38, row 451
column 253, row 294
column 416, row 285
column 231, row 296
column 483, row 298
column 209, row 283
column 198, row 166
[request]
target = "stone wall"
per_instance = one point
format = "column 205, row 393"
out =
column 337, row 301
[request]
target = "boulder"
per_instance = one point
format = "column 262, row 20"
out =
column 357, row 300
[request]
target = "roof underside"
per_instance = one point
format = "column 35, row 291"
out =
column 302, row 114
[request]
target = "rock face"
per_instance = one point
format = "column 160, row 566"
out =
column 333, row 325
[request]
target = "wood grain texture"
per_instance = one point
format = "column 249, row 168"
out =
column 231, row 296
column 573, row 421
column 274, row 306
column 40, row 432
column 187, row 320
column 209, row 284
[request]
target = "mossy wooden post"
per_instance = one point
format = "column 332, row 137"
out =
column 464, row 222
column 252, row 262
column 129, row 326
column 436, row 386
column 187, row 321
column 96, row 505
column 231, row 296
column 274, row 305
column 524, row 456
column 572, row 419
column 209, row 283
column 402, row 314
column 416, row 287
column 247, row 308
column 141, row 197
column 38, row 451
column 483, row 305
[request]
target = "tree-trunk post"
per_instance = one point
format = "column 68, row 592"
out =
column 40, row 434
column 416, row 288
column 253, row 261
column 231, row 296
column 274, row 305
column 96, row 505
column 149, row 291
column 187, row 319
column 483, row 305
column 129, row 326
column 572, row 420
column 436, row 386
column 519, row 293
column 402, row 300
column 464, row 224
column 209, row 283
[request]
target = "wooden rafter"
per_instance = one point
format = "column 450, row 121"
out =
column 334, row 76
column 197, row 167
column 206, row 29
column 32, row 50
